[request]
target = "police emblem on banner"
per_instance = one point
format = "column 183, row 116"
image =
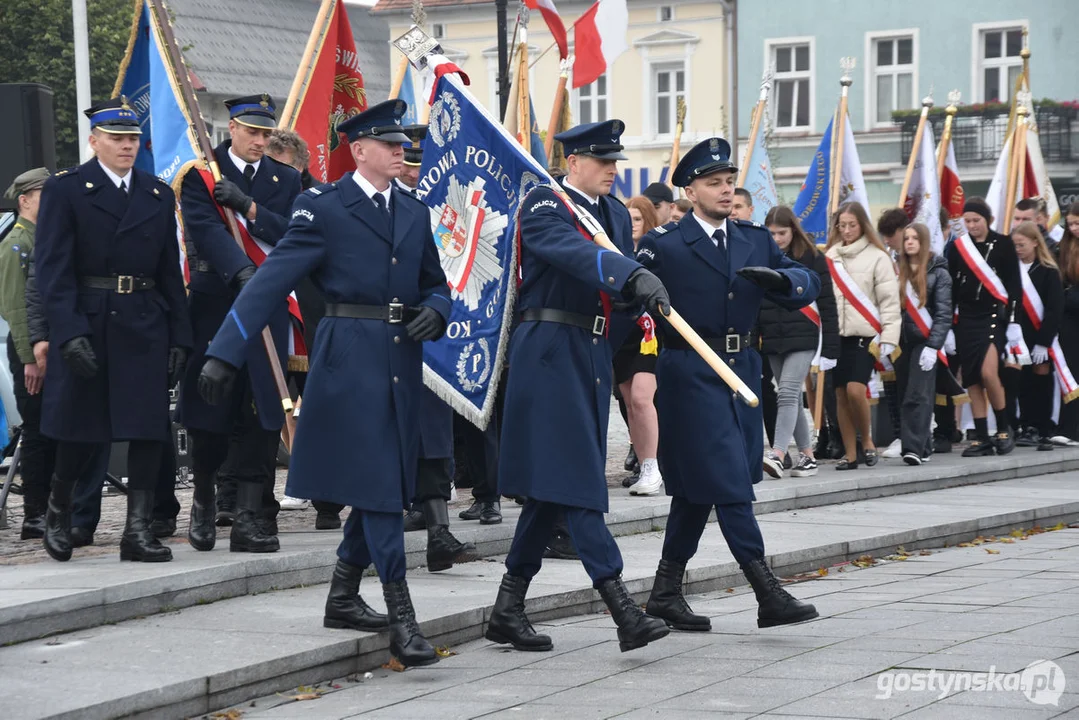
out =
column 472, row 178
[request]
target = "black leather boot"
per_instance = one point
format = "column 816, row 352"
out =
column 81, row 537
column 57, row 539
column 415, row 520
column 247, row 535
column 407, row 643
column 491, row 513
column 775, row 606
column 202, row 533
column 33, row 525
column 508, row 624
column 443, row 549
column 345, row 609
column 669, row 604
column 138, row 542
column 635, row 629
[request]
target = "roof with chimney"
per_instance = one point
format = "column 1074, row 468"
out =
column 243, row 47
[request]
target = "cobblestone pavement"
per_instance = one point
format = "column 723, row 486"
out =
column 1001, row 614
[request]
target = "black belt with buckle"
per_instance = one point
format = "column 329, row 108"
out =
column 728, row 344
column 394, row 313
column 596, row 324
column 122, row 284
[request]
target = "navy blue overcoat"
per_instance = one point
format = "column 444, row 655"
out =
column 710, row 442
column 356, row 441
column 558, row 395
column 274, row 188
column 86, row 227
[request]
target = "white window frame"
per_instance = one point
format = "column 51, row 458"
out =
column 977, row 62
column 770, row 44
column 655, row 67
column 659, row 13
column 870, row 65
column 576, row 99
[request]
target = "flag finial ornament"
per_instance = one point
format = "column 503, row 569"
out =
column 953, row 102
column 419, row 15
column 846, row 64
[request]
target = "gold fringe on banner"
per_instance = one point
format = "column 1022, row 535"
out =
column 126, row 62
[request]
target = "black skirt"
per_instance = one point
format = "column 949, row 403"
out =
column 855, row 363
column 975, row 333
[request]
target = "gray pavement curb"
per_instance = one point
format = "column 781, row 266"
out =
column 336, row 659
column 191, row 586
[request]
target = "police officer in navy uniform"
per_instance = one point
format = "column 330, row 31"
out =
column 369, row 248
column 559, row 390
column 260, row 191
column 108, row 269
column 717, row 271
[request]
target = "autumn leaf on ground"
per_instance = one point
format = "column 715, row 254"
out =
column 925, row 552
column 901, row 551
column 394, row 664
column 991, row 551
column 228, row 715
column 306, row 696
column 730, row 590
column 1058, row 526
column 822, row 572
column 965, row 545
column 864, row 561
column 444, row 651
column 1010, row 541
column 1017, row 533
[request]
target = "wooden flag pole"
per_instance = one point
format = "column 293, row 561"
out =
column 202, row 136
column 839, row 128
column 556, row 108
column 524, row 115
column 913, row 159
column 307, row 66
column 818, row 401
column 946, row 134
column 676, row 146
column 755, row 127
column 1016, row 167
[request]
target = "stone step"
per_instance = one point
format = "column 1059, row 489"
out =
column 45, row 598
column 209, row 656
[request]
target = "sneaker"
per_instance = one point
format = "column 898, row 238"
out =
column 1063, row 441
column 291, row 503
column 894, row 450
column 912, row 458
column 651, row 482
column 773, row 466
column 806, row 467
column 787, row 464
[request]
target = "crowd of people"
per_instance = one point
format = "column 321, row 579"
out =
column 900, row 327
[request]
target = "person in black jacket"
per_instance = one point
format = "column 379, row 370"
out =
column 1068, row 253
column 791, row 339
column 986, row 324
column 1036, row 393
column 926, row 290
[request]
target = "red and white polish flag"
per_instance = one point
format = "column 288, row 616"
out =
column 554, row 23
column 599, row 38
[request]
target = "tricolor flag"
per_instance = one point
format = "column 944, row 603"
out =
column 1035, row 181
column 554, row 23
column 599, row 38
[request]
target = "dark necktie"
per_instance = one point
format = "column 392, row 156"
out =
column 721, row 246
column 123, row 192
column 380, row 202
column 249, row 174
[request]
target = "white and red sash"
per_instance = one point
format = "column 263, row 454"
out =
column 921, row 317
column 812, row 312
column 1035, row 309
column 977, row 264
column 257, row 251
column 869, row 312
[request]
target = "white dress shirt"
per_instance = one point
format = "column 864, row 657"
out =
column 116, row 179
column 709, row 229
column 240, row 163
column 582, row 193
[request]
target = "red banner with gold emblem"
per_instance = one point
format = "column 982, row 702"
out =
column 328, row 91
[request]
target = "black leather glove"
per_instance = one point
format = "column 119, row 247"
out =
column 427, row 325
column 646, row 289
column 767, row 279
column 177, row 362
column 230, row 195
column 243, row 276
column 215, row 380
column 78, row 353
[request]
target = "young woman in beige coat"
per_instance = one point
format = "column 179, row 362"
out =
column 853, row 247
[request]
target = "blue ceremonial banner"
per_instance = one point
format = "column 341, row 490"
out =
column 811, row 206
column 408, row 94
column 760, row 182
column 146, row 80
column 473, row 177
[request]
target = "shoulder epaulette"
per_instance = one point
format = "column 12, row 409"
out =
column 749, row 223
column 65, row 171
column 321, row 189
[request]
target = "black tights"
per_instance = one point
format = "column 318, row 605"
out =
column 143, row 462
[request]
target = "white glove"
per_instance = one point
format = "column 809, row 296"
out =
column 1039, row 354
column 886, row 349
column 949, row 343
column 1015, row 334
column 827, row 364
column 928, row 359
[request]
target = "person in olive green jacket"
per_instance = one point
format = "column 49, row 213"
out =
column 27, row 373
